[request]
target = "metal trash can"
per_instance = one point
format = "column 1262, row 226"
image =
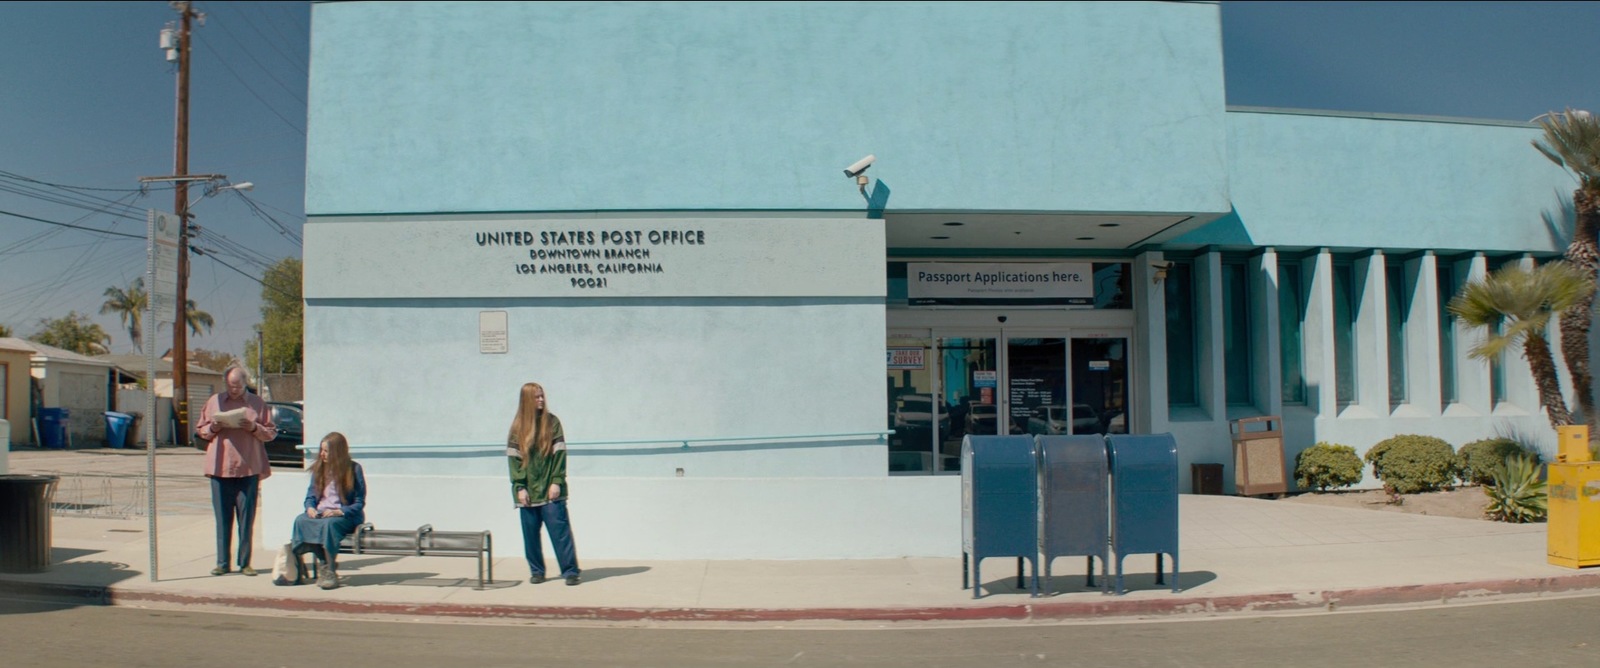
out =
column 53, row 427
column 1076, row 520
column 25, row 522
column 1144, row 499
column 999, row 504
column 1258, row 456
column 133, row 430
column 117, row 428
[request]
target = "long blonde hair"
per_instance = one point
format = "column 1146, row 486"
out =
column 336, row 466
column 533, row 426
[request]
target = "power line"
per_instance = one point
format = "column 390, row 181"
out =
column 268, row 40
column 126, row 211
column 253, row 59
column 286, row 41
column 19, row 177
column 283, row 229
column 241, row 273
column 75, row 227
column 247, row 87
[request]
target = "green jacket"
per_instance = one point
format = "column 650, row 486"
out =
column 538, row 475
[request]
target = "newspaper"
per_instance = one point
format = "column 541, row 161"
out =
column 234, row 419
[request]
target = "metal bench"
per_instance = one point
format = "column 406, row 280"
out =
column 425, row 542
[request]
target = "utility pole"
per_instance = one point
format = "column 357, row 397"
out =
column 180, row 168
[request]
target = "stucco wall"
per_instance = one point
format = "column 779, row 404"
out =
column 560, row 106
column 1309, row 179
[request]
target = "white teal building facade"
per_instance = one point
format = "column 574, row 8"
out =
column 641, row 206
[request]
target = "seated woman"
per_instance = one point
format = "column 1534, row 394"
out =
column 335, row 503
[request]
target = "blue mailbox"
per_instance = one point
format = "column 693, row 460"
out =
column 1076, row 519
column 1144, row 499
column 999, row 503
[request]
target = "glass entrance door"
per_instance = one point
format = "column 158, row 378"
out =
column 970, row 394
column 1036, row 385
column 994, row 382
column 1100, row 385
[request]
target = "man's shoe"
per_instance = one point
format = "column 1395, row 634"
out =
column 572, row 580
column 537, row 579
column 220, row 570
column 248, row 571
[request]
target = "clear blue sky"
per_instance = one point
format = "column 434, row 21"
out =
column 87, row 99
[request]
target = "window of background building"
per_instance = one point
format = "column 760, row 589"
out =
column 1344, row 333
column 1447, row 331
column 1181, row 381
column 1291, row 315
column 1497, row 366
column 1236, row 355
column 1399, row 311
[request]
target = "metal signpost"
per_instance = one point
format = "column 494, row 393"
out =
column 161, row 245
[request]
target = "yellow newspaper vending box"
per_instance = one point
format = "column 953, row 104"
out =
column 1574, row 489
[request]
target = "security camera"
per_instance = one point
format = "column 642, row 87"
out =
column 1002, row 319
column 859, row 166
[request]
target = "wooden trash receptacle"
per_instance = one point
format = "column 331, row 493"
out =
column 1258, row 456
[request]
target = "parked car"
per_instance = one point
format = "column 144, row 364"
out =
column 981, row 419
column 914, row 413
column 290, row 419
column 1053, row 420
column 1048, row 420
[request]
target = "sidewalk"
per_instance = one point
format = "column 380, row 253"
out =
column 1238, row 556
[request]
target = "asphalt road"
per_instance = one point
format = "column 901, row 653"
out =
column 1550, row 632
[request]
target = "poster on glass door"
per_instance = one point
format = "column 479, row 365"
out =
column 1000, row 284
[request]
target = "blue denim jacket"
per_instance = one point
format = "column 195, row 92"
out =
column 352, row 503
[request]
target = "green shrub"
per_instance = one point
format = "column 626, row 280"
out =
column 1326, row 466
column 1411, row 463
column 1516, row 494
column 1479, row 459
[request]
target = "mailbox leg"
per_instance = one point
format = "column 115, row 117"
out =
column 1119, row 590
column 966, row 570
column 1019, row 572
column 1105, row 575
column 1035, row 563
column 1174, row 572
column 1088, row 572
column 1158, row 569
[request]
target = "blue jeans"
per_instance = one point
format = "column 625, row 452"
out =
column 554, row 516
column 234, row 498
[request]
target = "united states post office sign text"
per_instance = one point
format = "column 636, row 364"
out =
column 594, row 258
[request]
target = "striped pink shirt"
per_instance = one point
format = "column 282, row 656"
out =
column 236, row 453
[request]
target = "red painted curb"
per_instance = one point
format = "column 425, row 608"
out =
column 1032, row 611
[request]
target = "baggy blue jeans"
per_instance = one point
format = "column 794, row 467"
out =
column 554, row 516
column 234, row 498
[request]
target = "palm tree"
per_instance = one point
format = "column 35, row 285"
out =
column 1523, row 302
column 196, row 318
column 1572, row 140
column 129, row 305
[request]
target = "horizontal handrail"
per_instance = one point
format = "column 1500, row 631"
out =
column 881, row 435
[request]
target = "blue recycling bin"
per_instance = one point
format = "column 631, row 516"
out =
column 117, row 428
column 53, row 427
column 1144, row 499
column 999, row 504
column 1075, row 519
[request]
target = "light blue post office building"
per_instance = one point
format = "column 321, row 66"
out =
column 1065, row 228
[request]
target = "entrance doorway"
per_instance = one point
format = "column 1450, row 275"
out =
column 997, row 382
